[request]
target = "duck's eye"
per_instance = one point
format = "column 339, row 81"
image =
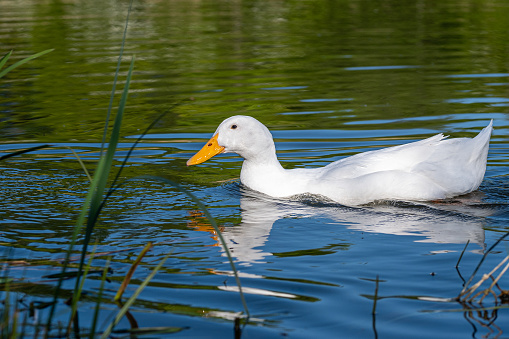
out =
column 234, row 127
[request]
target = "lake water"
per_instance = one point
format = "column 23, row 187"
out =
column 330, row 79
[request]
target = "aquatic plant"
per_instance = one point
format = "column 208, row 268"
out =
column 468, row 295
column 6, row 57
column 3, row 61
column 95, row 200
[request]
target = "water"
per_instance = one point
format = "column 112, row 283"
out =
column 330, row 79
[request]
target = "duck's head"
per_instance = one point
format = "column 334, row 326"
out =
column 239, row 134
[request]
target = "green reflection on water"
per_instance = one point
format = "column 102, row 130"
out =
column 333, row 57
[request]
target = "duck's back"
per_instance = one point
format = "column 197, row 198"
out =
column 434, row 168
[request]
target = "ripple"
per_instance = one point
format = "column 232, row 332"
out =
column 480, row 75
column 376, row 68
column 478, row 100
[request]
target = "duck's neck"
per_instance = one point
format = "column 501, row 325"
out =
column 269, row 177
column 264, row 162
column 262, row 172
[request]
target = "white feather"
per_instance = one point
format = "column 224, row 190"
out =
column 429, row 169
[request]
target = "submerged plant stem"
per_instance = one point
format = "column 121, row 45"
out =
column 375, row 299
column 129, row 274
column 132, row 299
column 81, row 163
column 462, row 252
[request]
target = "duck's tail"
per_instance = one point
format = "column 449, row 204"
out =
column 486, row 131
column 482, row 140
column 479, row 155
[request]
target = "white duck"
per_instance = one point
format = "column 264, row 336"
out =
column 430, row 169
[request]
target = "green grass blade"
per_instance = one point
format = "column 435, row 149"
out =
column 104, row 170
column 113, row 185
column 76, row 297
column 133, row 298
column 93, row 201
column 21, row 62
column 99, row 182
column 100, row 178
column 110, row 105
column 4, row 59
column 99, row 299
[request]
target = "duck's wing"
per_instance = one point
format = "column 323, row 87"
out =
column 403, row 157
column 434, row 154
column 433, row 168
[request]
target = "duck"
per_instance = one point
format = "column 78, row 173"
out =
column 435, row 168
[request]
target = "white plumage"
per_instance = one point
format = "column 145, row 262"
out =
column 429, row 169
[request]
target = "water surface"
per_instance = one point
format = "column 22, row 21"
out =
column 330, row 79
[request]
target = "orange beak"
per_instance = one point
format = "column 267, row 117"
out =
column 210, row 149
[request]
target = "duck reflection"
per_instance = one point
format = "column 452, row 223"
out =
column 454, row 222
